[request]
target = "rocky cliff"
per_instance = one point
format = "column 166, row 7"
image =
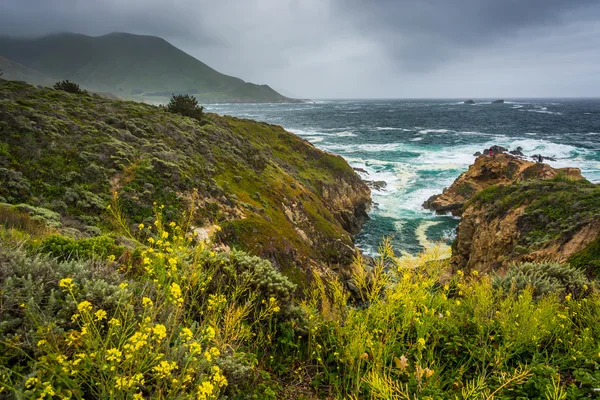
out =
column 516, row 210
column 271, row 193
column 486, row 171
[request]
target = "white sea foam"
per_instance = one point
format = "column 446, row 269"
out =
column 389, row 128
column 426, row 131
column 543, row 110
column 417, row 139
column 313, row 139
column 345, row 134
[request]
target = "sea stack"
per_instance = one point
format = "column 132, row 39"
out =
column 499, row 101
column 469, row 101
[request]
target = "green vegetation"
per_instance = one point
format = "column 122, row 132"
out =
column 127, row 65
column 116, row 280
column 69, row 87
column 267, row 188
column 185, row 105
column 180, row 319
column 544, row 278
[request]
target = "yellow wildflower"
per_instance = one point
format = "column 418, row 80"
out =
column 160, row 331
column 31, row 382
column 100, row 315
column 84, row 306
column 66, row 283
column 141, row 226
column 113, row 355
column 176, row 295
column 186, row 334
column 147, row 301
column 165, row 368
column 421, row 342
column 209, row 333
column 115, row 322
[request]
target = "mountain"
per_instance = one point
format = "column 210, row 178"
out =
column 14, row 71
column 130, row 65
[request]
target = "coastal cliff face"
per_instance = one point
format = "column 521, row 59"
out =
column 486, row 171
column 272, row 193
column 514, row 210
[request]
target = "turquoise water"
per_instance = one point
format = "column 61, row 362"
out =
column 418, row 147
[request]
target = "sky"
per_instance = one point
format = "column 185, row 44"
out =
column 357, row 48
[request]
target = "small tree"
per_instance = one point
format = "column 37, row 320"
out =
column 68, row 86
column 185, row 104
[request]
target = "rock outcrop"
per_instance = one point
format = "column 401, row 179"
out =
column 500, row 168
column 499, row 101
column 514, row 210
column 469, row 102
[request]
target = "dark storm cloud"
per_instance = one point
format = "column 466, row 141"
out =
column 421, row 33
column 357, row 48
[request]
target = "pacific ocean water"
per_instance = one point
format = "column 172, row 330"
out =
column 418, row 147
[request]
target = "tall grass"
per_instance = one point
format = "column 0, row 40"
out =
column 179, row 319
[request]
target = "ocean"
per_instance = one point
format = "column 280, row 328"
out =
column 419, row 147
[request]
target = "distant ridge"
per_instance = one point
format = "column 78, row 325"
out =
column 129, row 65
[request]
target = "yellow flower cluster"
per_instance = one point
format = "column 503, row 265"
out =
column 165, row 368
column 176, row 295
column 84, row 306
column 125, row 383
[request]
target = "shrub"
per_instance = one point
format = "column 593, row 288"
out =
column 68, row 86
column 544, row 278
column 186, row 105
column 64, row 248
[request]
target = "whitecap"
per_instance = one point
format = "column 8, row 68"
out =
column 345, row 134
column 426, row 131
column 389, row 128
column 417, row 139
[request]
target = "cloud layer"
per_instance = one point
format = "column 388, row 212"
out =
column 357, row 48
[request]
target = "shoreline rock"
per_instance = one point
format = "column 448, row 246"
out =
column 525, row 213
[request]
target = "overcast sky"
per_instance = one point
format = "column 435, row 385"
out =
column 357, row 48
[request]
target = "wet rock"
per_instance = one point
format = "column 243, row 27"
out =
column 469, row 101
column 499, row 101
column 517, row 152
column 377, row 185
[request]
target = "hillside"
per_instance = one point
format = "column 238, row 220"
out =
column 16, row 72
column 270, row 192
column 130, row 65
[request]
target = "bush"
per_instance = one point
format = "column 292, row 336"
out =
column 186, row 105
column 70, row 87
column 544, row 278
column 64, row 248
